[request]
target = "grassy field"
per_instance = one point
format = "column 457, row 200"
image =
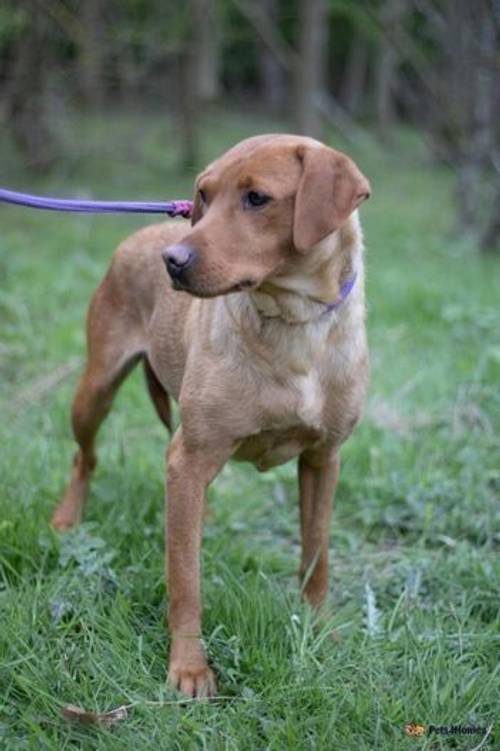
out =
column 415, row 634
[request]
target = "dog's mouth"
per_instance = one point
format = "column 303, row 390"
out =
column 179, row 286
column 244, row 284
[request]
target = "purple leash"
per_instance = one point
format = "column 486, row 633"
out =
column 172, row 208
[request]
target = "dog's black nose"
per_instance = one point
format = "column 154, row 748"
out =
column 178, row 258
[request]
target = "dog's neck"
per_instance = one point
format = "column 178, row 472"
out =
column 289, row 322
column 322, row 284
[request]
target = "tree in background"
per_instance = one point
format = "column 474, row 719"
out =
column 24, row 39
column 432, row 65
column 273, row 74
column 207, row 22
column 92, row 52
column 463, row 114
column 310, row 66
column 391, row 14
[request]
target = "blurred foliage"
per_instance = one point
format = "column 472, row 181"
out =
column 371, row 66
column 149, row 32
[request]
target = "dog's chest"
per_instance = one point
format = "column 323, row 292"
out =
column 292, row 420
column 306, row 402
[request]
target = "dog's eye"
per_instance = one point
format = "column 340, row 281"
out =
column 203, row 196
column 254, row 200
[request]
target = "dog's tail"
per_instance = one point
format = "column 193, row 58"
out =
column 159, row 396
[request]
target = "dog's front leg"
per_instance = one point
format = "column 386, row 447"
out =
column 318, row 475
column 189, row 472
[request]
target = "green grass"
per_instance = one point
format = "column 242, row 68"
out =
column 415, row 565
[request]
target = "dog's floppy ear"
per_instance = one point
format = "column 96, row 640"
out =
column 330, row 188
column 197, row 211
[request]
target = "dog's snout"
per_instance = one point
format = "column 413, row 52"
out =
column 178, row 259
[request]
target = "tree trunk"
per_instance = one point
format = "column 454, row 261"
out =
column 354, row 81
column 470, row 81
column 206, row 43
column 273, row 77
column 25, row 104
column 388, row 61
column 91, row 53
column 490, row 240
column 310, row 66
column 188, row 108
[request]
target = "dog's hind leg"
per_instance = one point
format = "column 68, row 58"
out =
column 114, row 346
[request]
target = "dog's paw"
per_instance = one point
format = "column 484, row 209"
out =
column 197, row 682
column 64, row 519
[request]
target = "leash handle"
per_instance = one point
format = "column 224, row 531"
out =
column 172, row 208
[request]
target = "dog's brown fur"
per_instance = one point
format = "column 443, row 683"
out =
column 261, row 372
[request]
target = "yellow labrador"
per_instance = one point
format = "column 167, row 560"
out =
column 257, row 330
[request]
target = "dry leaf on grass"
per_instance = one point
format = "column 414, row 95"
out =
column 104, row 719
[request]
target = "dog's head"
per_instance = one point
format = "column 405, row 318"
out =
column 263, row 205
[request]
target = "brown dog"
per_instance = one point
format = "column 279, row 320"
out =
column 264, row 347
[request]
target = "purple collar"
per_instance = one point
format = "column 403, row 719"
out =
column 345, row 291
